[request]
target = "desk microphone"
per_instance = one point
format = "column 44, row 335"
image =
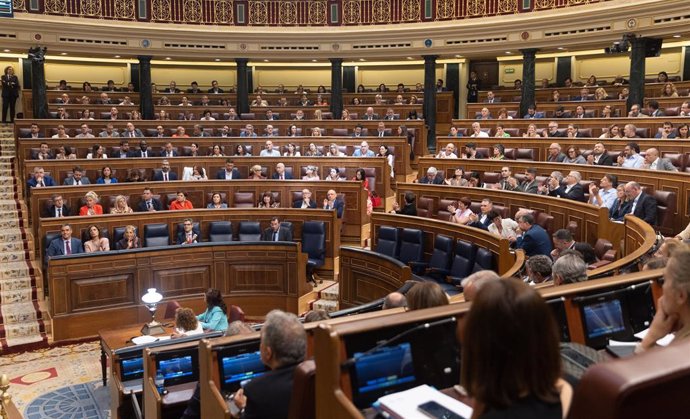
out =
column 351, row 361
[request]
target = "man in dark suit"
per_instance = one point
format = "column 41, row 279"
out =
column 77, row 178
column 482, row 220
column 410, row 207
column 491, row 98
column 599, row 156
column 534, row 240
column 58, row 209
column 214, row 87
column 164, row 175
column 653, row 109
column 280, row 173
column 270, row 116
column 643, row 205
column 10, row 93
column 381, row 130
column 276, row 385
column 65, row 244
column 43, row 153
column 572, row 188
column 131, row 131
column 306, row 201
column 562, row 240
column 333, row 202
column 40, row 179
column 172, row 88
column 35, row 132
column 148, row 202
column 190, row 233
column 431, row 177
column 168, row 150
column 276, row 233
column 230, row 172
column 143, row 150
column 529, row 185
column 194, row 88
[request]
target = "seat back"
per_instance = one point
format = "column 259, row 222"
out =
column 665, row 209
column 249, row 231
column 244, row 200
column 387, row 243
column 235, row 313
column 220, row 231
column 463, row 261
column 156, row 235
column 425, row 206
column 411, row 245
column 303, row 398
column 314, row 240
column 443, row 251
column 603, row 249
column 484, row 260
column 170, row 309
column 288, row 225
column 624, row 388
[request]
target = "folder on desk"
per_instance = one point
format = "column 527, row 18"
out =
column 403, row 405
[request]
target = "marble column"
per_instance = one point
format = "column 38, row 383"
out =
column 337, row 87
column 242, row 86
column 38, row 82
column 430, row 100
column 528, row 62
column 145, row 91
column 637, row 72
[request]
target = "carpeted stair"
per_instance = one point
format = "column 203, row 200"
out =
column 21, row 320
column 328, row 299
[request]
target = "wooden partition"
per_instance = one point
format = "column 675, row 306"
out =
column 172, row 404
column 503, row 258
column 355, row 220
column 546, row 105
column 333, row 392
column 545, row 94
column 48, row 127
column 651, row 179
column 82, row 147
column 445, row 103
column 96, row 291
column 204, row 217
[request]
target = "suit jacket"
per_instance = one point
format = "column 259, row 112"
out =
column 437, row 180
column 137, row 133
column 576, row 193
column 65, row 211
column 535, row 241
column 163, row 153
column 479, row 224
column 156, row 203
column 182, row 236
column 665, row 164
column 496, row 100
column 218, row 90
column 235, row 174
column 158, row 176
column 104, row 134
column 10, row 87
column 370, row 118
column 617, row 211
column 274, row 386
column 47, row 180
column 57, row 248
column 338, row 205
column 138, row 153
column 70, row 181
column 171, row 90
column 298, row 204
column 532, row 187
column 284, row 235
column 605, row 160
column 286, row 174
column 408, row 209
column 646, row 208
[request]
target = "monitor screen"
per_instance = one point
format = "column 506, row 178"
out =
column 176, row 370
column 604, row 318
column 387, row 367
column 240, row 368
column 132, row 368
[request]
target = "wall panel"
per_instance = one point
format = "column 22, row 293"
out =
column 96, row 73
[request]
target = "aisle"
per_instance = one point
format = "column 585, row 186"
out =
column 21, row 322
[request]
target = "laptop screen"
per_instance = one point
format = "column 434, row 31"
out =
column 388, row 367
column 177, row 370
column 132, row 368
column 604, row 318
column 240, row 368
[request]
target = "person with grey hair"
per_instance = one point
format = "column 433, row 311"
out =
column 316, row 316
column 472, row 284
column 562, row 240
column 238, row 327
column 572, row 188
column 644, row 206
column 283, row 346
column 431, row 177
column 569, row 269
column 538, row 269
column 534, row 239
column 393, row 300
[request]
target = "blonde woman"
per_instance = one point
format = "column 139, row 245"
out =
column 129, row 240
column 92, row 206
column 121, row 206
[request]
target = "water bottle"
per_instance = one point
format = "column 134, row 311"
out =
column 160, row 383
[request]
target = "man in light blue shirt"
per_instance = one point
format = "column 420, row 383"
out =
column 269, row 151
column 363, row 151
column 630, row 158
column 606, row 195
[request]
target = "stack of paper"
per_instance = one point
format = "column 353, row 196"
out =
column 403, row 405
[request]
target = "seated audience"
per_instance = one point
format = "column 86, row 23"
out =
column 472, row 284
column 538, row 269
column 255, row 173
column 65, row 244
column 40, row 179
column 181, row 203
column 121, row 206
column 448, row 152
column 534, row 240
column 458, row 178
column 569, row 269
column 306, row 201
column 333, row 202
column 605, row 194
column 426, row 295
column 96, row 243
column 572, row 188
column 92, row 206
column 216, row 202
column 503, row 227
column 394, row 300
column 311, row 174
column 621, row 206
column 189, row 234
column 523, row 326
column 461, row 213
column 106, row 176
column 276, row 232
column 77, row 178
column 215, row 317
column 562, row 240
column 313, row 151
column 281, row 173
column 432, row 177
column 129, row 240
column 644, row 206
column 654, row 162
column 410, row 207
column 186, row 323
column 267, row 201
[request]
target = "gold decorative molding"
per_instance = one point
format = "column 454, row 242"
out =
column 381, row 11
column 352, row 12
column 507, row 6
column 160, row 10
column 123, row 9
column 91, row 7
column 317, row 12
column 445, row 9
column 258, row 13
column 287, row 13
column 411, row 10
column 544, row 4
column 191, row 11
column 223, row 11
column 476, row 7
column 19, row 5
column 56, row 6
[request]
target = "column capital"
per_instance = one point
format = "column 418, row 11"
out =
column 336, row 60
column 431, row 57
column 529, row 51
column 144, row 57
column 242, row 61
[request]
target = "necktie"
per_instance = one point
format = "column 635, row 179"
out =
column 165, row 177
column 144, row 154
column 41, row 184
column 68, row 248
column 380, row 134
column 275, row 236
column 148, row 204
column 282, row 177
column 59, row 212
column 78, row 182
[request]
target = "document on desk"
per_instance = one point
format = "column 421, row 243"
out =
column 403, row 405
column 661, row 342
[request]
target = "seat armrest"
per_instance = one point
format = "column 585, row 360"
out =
column 418, row 267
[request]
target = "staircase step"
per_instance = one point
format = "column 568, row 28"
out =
column 18, row 296
column 19, row 313
column 328, row 305
column 330, row 293
column 15, row 284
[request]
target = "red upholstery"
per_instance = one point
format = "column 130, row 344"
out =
column 170, row 309
column 235, row 313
